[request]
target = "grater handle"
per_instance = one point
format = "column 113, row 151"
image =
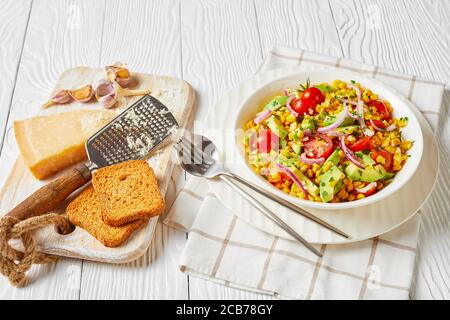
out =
column 51, row 195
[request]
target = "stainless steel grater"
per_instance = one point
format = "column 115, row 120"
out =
column 132, row 135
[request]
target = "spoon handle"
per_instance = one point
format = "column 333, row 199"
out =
column 287, row 204
column 269, row 214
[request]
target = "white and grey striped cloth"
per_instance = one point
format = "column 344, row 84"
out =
column 224, row 249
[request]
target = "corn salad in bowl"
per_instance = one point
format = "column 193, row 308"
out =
column 327, row 142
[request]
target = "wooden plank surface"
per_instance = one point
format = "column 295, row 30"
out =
column 216, row 56
column 213, row 45
column 15, row 18
column 145, row 34
column 67, row 37
column 412, row 41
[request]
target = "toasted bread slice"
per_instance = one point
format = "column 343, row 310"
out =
column 129, row 192
column 86, row 211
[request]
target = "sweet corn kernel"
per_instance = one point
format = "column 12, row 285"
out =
column 395, row 142
column 406, row 145
column 381, row 160
column 360, row 196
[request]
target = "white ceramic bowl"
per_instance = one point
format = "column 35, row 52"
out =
column 253, row 104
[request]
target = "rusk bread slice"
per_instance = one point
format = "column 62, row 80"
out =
column 129, row 192
column 86, row 211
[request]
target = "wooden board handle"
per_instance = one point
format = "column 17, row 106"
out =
column 51, row 195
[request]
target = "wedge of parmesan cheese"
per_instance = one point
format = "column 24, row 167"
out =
column 49, row 144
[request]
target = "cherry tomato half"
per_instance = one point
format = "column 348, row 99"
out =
column 309, row 100
column 387, row 158
column 304, row 106
column 381, row 108
column 314, row 94
column 360, row 145
column 264, row 141
column 318, row 147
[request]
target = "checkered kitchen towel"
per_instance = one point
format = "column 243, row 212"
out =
column 224, row 249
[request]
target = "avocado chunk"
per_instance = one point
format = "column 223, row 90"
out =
column 332, row 160
column 353, row 172
column 388, row 175
column 296, row 147
column 308, row 123
column 365, row 159
column 275, row 125
column 371, row 174
column 276, row 103
column 309, row 185
column 329, row 120
column 325, row 88
column 330, row 183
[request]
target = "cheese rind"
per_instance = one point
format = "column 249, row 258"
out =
column 49, row 144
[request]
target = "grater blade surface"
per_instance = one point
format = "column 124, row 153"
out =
column 133, row 134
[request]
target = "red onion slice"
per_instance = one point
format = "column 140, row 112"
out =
column 292, row 175
column 263, row 115
column 349, row 102
column 370, row 186
column 349, row 154
column 375, row 126
column 310, row 161
column 288, row 105
column 360, row 112
column 392, row 127
column 340, row 118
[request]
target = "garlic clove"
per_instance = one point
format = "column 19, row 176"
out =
column 108, row 101
column 105, row 93
column 61, row 97
column 123, row 82
column 83, row 94
column 103, row 87
column 118, row 73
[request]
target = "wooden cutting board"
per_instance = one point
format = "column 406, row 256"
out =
column 176, row 94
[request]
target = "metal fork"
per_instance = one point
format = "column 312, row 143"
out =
column 205, row 160
column 201, row 165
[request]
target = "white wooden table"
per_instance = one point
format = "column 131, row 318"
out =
column 213, row 44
